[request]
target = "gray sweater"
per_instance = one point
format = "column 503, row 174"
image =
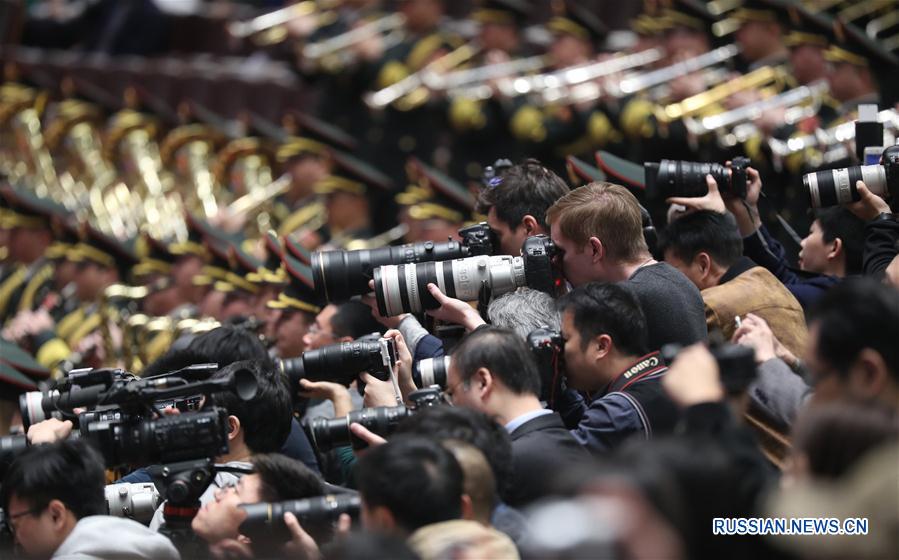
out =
column 103, row 537
column 671, row 303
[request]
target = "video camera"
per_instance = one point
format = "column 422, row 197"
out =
column 339, row 275
column 342, row 362
column 125, row 421
column 837, row 186
column 403, row 288
column 687, row 179
column 328, row 433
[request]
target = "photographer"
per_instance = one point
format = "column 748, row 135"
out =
column 54, row 502
column 414, row 488
column 599, row 230
column 707, row 248
column 516, row 202
column 607, row 355
column 260, row 425
column 831, row 250
column 881, row 254
column 275, row 478
column 493, row 371
column 341, row 322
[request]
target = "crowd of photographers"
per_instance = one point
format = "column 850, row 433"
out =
column 605, row 391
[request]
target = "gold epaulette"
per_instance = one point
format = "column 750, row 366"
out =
column 300, row 218
column 527, row 124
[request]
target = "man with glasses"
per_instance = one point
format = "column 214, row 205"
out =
column 341, row 322
column 493, row 371
column 54, row 500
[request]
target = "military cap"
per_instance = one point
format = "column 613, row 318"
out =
column 270, row 271
column 66, row 235
column 502, row 12
column 13, row 383
column 297, row 146
column 747, row 11
column 296, row 251
column 123, row 123
column 105, row 250
column 450, row 200
column 154, row 257
column 217, row 267
column 352, row 175
column 242, row 265
column 24, row 209
column 197, row 230
column 66, row 115
column 852, row 46
column 298, row 123
column 238, row 149
column 580, row 172
column 808, row 28
column 621, row 171
column 11, row 354
column 299, row 293
column 692, row 14
column 184, row 135
column 572, row 18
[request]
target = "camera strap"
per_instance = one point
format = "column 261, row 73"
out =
column 646, row 366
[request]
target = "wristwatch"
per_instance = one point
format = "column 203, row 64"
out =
column 885, row 217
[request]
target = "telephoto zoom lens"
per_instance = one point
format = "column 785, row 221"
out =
column 404, row 288
column 837, row 186
column 340, row 363
column 683, row 178
column 431, row 371
column 340, row 275
column 328, row 433
column 321, row 509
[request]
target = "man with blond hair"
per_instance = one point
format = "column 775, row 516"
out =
column 599, row 231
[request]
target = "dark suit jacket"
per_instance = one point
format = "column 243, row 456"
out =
column 541, row 448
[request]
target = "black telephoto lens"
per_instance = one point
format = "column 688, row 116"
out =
column 328, row 433
column 318, row 510
column 683, row 178
column 431, row 371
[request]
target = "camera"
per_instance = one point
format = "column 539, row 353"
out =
column 687, row 178
column 340, row 275
column 548, row 350
column 736, row 363
column 269, row 517
column 431, row 371
column 328, row 433
column 403, row 288
column 837, row 186
column 342, row 362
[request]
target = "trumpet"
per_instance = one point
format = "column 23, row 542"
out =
column 556, row 86
column 271, row 23
column 648, row 80
column 736, row 125
column 339, row 43
column 764, row 76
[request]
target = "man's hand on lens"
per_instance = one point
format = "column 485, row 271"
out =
column 369, row 300
column 454, row 311
column 869, row 205
column 377, row 392
column 403, row 364
column 49, row 431
column 301, row 544
column 712, row 201
column 366, row 435
column 693, row 377
column 746, row 210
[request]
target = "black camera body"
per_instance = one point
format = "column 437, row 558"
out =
column 736, row 364
column 687, row 179
column 548, row 349
column 340, row 275
column 538, row 253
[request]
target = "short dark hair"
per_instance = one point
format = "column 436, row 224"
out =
column 284, row 478
column 265, row 419
column 705, row 231
column 612, row 309
column 524, row 189
column 69, row 471
column 441, row 423
column 222, row 345
column 366, row 545
column 857, row 313
column 501, row 351
column 354, row 319
column 418, row 480
column 839, row 223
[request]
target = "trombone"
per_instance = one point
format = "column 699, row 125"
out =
column 466, row 82
column 648, row 80
column 830, row 137
column 390, row 25
column 268, row 29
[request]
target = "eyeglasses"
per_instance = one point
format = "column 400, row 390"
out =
column 316, row 330
column 13, row 516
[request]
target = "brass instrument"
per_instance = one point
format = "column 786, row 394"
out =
column 269, row 29
column 381, row 240
column 765, row 76
column 737, row 126
column 337, row 46
column 831, row 138
column 45, row 182
column 255, row 204
column 876, row 26
column 642, row 82
column 469, row 82
column 410, row 91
